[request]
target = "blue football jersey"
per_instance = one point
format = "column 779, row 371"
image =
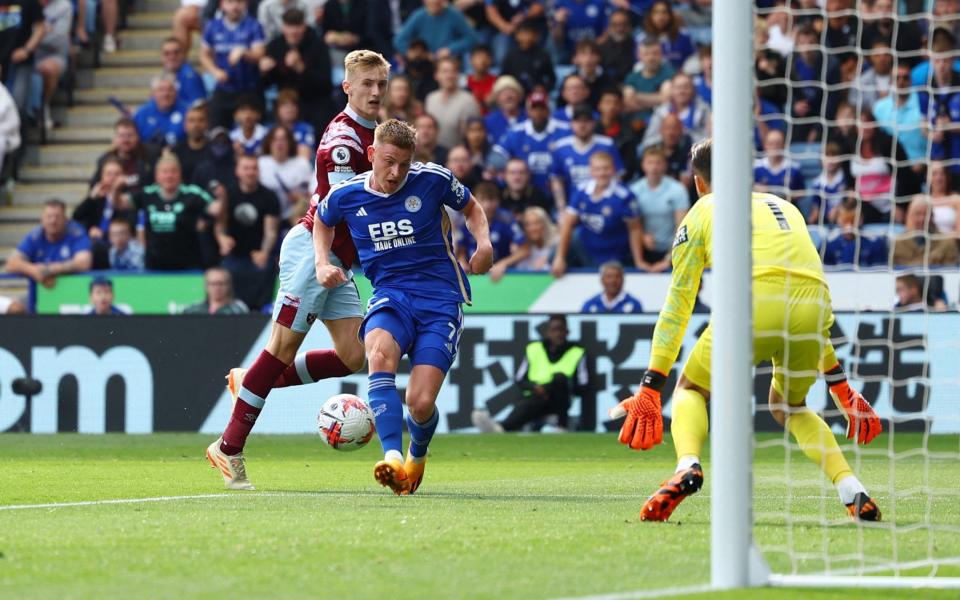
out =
column 504, row 231
column 603, row 222
column 586, row 19
column 571, row 162
column 222, row 37
column 158, row 127
column 621, row 305
column 536, row 147
column 404, row 239
column 304, row 134
column 786, row 177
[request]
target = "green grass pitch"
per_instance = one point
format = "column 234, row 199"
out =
column 496, row 517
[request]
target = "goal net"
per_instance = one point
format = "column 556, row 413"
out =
column 857, row 110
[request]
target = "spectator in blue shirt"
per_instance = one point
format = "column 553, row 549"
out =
column 606, row 220
column 899, row 111
column 55, row 247
column 248, row 134
column 663, row 202
column 507, row 110
column 190, row 86
column 534, row 140
column 575, row 20
column 442, row 27
column 943, row 105
column 126, row 253
column 571, row 154
column 288, row 115
column 775, row 173
column 703, row 83
column 613, row 299
column 160, row 120
column 830, row 186
column 849, row 246
column 102, row 297
column 233, row 44
column 662, row 25
column 505, row 233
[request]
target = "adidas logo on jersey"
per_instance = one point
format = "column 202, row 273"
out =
column 362, row 212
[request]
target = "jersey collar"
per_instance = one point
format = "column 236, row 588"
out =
column 591, row 185
column 616, row 299
column 356, row 117
column 367, row 186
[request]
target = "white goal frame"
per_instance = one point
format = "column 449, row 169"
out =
column 734, row 560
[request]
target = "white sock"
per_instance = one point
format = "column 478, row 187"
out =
column 848, row 488
column 393, row 455
column 686, row 461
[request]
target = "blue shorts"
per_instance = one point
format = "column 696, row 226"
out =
column 427, row 330
column 301, row 299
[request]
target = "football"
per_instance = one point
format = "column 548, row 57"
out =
column 345, row 422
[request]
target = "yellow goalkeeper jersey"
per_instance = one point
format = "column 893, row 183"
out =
column 781, row 247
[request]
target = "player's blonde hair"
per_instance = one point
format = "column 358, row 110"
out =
column 396, row 133
column 364, row 59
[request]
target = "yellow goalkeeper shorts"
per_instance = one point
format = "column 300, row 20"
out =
column 791, row 325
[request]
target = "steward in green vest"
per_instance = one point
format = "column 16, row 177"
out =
column 552, row 371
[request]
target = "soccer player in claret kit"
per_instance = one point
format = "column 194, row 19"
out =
column 397, row 217
column 301, row 299
column 792, row 317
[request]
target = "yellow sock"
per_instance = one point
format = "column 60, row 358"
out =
column 689, row 422
column 818, row 443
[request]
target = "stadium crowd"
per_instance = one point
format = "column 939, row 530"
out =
column 571, row 121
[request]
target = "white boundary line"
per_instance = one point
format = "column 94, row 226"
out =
column 661, row 593
column 369, row 494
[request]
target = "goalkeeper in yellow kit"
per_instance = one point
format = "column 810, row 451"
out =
column 791, row 320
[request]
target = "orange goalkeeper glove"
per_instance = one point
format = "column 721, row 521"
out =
column 643, row 428
column 862, row 422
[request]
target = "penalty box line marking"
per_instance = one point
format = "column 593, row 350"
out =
column 317, row 494
column 321, row 494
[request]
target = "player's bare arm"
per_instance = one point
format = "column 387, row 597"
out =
column 477, row 225
column 328, row 275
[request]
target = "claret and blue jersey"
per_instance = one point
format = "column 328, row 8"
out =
column 404, row 239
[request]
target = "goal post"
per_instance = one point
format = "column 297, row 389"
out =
column 736, row 559
column 731, row 437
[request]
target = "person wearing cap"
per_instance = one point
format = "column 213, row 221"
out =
column 507, row 110
column 571, row 155
column 534, row 140
column 299, row 59
column 101, row 298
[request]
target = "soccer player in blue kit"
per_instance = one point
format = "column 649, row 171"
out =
column 396, row 214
